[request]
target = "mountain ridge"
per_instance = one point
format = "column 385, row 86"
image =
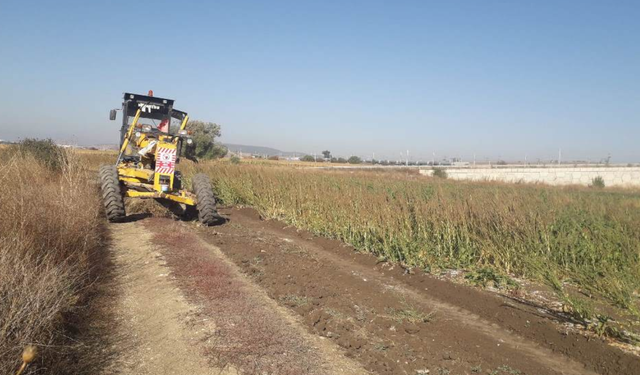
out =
column 260, row 150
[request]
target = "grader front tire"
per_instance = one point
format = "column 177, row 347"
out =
column 111, row 193
column 207, row 213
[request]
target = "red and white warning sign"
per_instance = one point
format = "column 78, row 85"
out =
column 165, row 160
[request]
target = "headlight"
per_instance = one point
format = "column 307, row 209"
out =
column 183, row 132
column 137, row 134
column 146, row 128
column 189, row 141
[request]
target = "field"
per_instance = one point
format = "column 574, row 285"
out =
column 352, row 272
column 584, row 243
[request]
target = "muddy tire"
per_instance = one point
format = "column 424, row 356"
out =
column 111, row 193
column 207, row 213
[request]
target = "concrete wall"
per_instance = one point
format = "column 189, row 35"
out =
column 613, row 176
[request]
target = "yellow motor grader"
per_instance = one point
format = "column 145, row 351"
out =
column 151, row 140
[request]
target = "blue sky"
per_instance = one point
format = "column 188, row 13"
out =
column 499, row 79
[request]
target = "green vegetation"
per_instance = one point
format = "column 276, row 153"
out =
column 204, row 145
column 410, row 314
column 487, row 276
column 44, row 151
column 598, row 182
column 440, row 173
column 585, row 238
column 354, row 160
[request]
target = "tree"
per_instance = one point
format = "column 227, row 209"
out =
column 204, row 145
column 326, row 154
column 307, row 158
column 354, row 160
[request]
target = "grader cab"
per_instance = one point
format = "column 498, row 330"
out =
column 152, row 136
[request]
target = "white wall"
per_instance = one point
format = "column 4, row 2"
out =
column 613, row 176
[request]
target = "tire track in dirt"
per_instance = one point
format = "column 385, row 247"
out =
column 252, row 332
column 349, row 299
column 156, row 331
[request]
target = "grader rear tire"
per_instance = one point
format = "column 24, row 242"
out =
column 111, row 193
column 207, row 213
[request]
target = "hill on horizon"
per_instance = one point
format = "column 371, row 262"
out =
column 261, row 150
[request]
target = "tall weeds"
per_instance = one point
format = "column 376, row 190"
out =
column 580, row 236
column 49, row 231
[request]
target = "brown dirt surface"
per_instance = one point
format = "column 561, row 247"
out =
column 257, row 297
column 147, row 326
column 398, row 322
column 252, row 332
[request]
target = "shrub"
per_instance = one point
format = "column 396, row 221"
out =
column 440, row 173
column 308, row 158
column 597, row 182
column 354, row 160
column 234, row 159
column 44, row 151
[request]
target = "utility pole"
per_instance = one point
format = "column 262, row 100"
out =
column 474, row 159
column 560, row 156
column 407, row 158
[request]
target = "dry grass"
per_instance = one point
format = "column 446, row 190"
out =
column 50, row 229
column 410, row 314
column 94, row 159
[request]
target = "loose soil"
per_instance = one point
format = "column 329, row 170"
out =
column 143, row 325
column 255, row 296
column 392, row 321
column 252, row 332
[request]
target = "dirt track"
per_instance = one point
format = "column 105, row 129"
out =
column 256, row 296
column 150, row 312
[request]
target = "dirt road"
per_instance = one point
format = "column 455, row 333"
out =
column 151, row 313
column 257, row 297
column 176, row 305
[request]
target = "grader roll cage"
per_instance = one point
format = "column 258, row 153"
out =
column 146, row 164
